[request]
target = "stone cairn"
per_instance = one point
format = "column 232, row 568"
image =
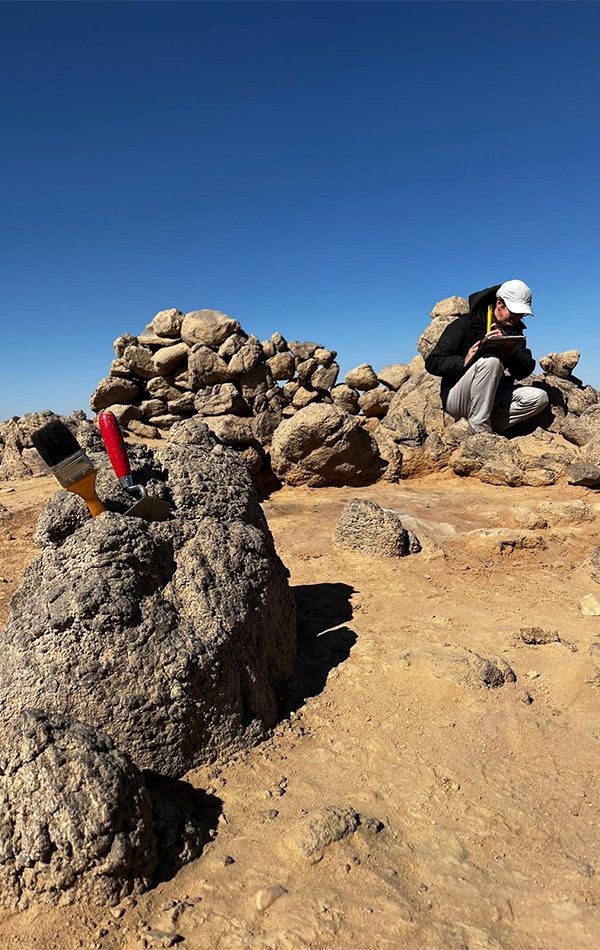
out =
column 281, row 407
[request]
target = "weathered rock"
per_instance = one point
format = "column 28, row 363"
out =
column 205, row 367
column 579, row 429
column 322, row 445
column 118, row 368
column 169, row 358
column 163, row 389
column 566, row 512
column 268, row 349
column 257, row 382
column 122, row 342
column 76, row 816
column 432, row 333
column 220, row 399
column 590, row 606
column 375, row 402
column 346, row 398
column 183, row 404
column 373, row 531
column 305, row 369
column 505, row 540
column 324, row 357
column 560, row 364
column 361, row 377
column 207, row 327
column 279, row 342
column 303, row 351
column 20, row 459
column 230, row 429
column 462, row 666
column 303, row 396
column 312, row 835
column 166, row 323
column 537, row 635
column 111, row 390
column 583, row 473
column 246, row 358
column 591, row 452
column 232, row 345
column 450, row 307
column 527, row 517
column 144, row 430
column 125, row 622
column 139, row 360
column 594, row 563
column 267, row 896
column 282, row 365
column 125, row 414
column 394, row 375
column 420, row 395
column 400, row 439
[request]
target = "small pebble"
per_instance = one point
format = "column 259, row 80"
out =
column 532, row 674
column 587, row 869
column 267, row 896
column 160, row 938
column 117, row 912
column 526, row 697
column 101, row 932
column 423, row 887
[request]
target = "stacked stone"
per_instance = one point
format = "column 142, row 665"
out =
column 203, row 364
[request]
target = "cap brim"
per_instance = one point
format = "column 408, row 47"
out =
column 518, row 308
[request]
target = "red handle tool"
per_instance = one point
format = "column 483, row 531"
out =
column 115, row 446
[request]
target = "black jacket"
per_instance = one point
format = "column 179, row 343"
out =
column 448, row 355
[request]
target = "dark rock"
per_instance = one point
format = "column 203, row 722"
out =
column 583, row 473
column 76, row 815
column 126, row 624
column 365, row 527
column 535, row 635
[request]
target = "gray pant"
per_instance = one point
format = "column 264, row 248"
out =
column 489, row 400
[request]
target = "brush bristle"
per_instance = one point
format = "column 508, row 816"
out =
column 55, row 442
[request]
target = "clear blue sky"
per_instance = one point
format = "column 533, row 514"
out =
column 328, row 170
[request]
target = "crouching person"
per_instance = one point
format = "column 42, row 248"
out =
column 478, row 388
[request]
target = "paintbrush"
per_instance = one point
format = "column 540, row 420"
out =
column 67, row 461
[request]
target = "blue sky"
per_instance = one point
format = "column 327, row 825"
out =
column 327, row 170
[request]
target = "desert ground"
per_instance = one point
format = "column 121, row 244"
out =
column 483, row 802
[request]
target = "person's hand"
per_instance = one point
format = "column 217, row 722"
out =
column 471, row 353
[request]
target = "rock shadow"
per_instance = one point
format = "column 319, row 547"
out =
column 185, row 820
column 322, row 642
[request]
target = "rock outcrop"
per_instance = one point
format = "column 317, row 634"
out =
column 174, row 637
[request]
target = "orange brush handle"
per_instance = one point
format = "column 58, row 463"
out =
column 85, row 488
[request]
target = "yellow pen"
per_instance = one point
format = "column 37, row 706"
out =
column 489, row 323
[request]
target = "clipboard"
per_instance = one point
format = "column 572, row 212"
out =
column 502, row 346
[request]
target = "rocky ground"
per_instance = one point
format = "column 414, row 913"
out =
column 413, row 795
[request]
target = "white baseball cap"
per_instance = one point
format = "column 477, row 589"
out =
column 516, row 295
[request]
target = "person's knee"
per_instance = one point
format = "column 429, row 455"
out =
column 489, row 366
column 532, row 399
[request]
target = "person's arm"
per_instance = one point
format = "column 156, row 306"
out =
column 447, row 358
column 521, row 363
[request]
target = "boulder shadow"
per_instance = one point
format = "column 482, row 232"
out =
column 323, row 643
column 185, row 820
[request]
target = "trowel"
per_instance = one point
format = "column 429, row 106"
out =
column 152, row 509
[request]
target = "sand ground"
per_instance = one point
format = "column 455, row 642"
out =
column 488, row 798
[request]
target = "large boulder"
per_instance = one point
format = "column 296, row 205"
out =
column 560, row 364
column 323, row 445
column 207, row 327
column 113, row 389
column 450, row 307
column 76, row 816
column 171, row 637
